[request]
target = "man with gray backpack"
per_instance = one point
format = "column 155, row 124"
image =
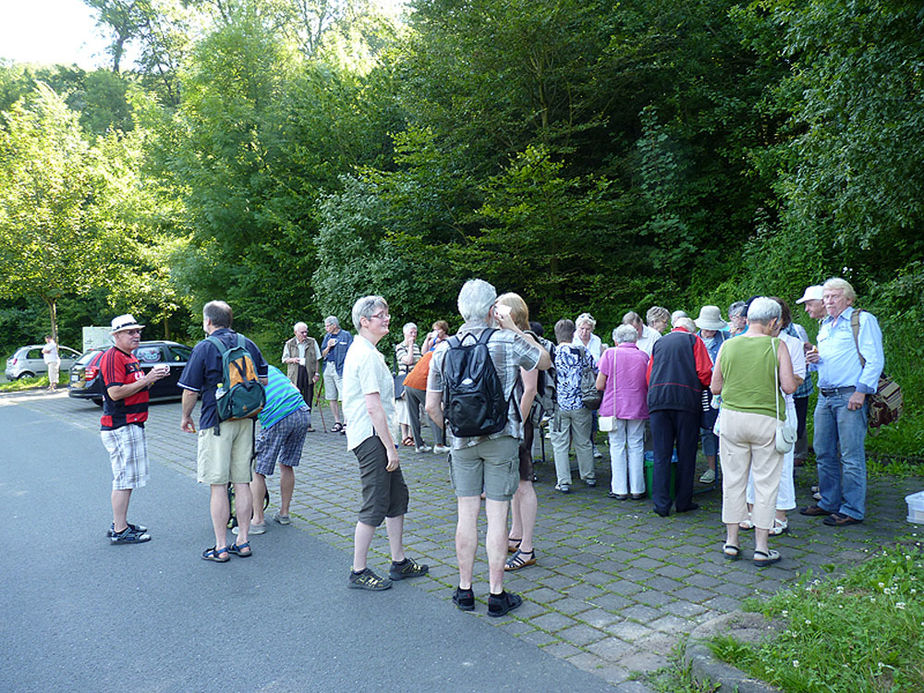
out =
column 471, row 384
column 229, row 371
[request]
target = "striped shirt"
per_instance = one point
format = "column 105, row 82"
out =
column 282, row 399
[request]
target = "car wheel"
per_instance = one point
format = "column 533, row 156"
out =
column 26, row 374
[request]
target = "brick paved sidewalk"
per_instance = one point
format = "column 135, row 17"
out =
column 615, row 588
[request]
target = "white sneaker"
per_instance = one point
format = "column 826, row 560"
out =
column 424, row 448
column 440, row 449
column 708, row 477
column 597, row 454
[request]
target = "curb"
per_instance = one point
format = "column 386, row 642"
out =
column 746, row 627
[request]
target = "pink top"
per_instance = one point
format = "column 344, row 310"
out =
column 626, row 393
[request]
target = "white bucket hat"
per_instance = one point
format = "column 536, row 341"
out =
column 710, row 318
column 124, row 322
column 812, row 293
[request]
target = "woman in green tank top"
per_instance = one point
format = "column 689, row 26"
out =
column 746, row 374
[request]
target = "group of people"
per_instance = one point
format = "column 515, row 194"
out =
column 730, row 385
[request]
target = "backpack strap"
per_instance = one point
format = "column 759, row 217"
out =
column 855, row 326
column 218, row 344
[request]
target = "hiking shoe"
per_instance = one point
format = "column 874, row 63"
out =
column 282, row 519
column 129, row 536
column 591, row 483
column 500, row 604
column 367, row 580
column 406, row 569
column 440, row 449
column 254, row 529
column 464, row 599
column 137, row 528
column 708, row 477
column 564, row 488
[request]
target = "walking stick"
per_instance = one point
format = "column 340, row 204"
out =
column 317, row 402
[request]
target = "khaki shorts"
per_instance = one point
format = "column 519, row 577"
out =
column 492, row 466
column 333, row 382
column 228, row 456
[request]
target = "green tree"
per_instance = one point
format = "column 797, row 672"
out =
column 54, row 240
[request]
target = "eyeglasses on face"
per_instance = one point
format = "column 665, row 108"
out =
column 384, row 317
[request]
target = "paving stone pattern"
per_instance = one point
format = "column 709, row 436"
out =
column 615, row 587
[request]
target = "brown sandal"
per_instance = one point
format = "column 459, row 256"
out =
column 513, row 544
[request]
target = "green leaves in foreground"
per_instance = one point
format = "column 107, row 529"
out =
column 861, row 632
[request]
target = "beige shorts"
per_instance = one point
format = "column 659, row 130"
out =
column 333, row 383
column 228, row 456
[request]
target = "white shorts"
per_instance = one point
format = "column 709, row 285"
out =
column 128, row 455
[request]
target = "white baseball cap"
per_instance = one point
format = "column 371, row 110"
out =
column 812, row 293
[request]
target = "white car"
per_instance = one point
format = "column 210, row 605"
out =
column 27, row 361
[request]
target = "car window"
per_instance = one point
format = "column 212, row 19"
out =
column 148, row 354
column 68, row 353
column 179, row 353
column 34, row 354
column 86, row 358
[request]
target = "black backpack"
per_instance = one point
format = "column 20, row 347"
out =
column 473, row 397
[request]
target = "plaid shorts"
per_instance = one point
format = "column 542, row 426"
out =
column 284, row 441
column 128, row 455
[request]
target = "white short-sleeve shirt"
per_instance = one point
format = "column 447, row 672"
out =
column 365, row 372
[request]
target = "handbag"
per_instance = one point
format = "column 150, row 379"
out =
column 785, row 430
column 887, row 402
column 606, row 423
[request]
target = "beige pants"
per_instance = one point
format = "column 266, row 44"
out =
column 53, row 370
column 746, row 445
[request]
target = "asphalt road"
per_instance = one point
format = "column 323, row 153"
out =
column 81, row 614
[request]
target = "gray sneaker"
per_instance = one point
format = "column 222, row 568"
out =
column 254, row 529
column 407, row 569
column 282, row 519
column 141, row 529
column 129, row 536
column 367, row 580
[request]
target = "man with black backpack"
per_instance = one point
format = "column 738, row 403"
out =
column 229, row 371
column 471, row 384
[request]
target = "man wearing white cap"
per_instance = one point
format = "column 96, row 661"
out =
column 125, row 409
column 811, row 299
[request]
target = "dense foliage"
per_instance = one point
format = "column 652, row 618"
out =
column 288, row 155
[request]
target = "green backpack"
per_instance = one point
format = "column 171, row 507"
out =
column 240, row 395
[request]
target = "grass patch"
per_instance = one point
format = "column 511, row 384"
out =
column 677, row 677
column 860, row 632
column 25, row 384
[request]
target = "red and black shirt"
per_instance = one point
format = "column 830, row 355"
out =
column 118, row 368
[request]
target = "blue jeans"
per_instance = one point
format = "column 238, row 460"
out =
column 840, row 435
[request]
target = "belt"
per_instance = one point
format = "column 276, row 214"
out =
column 831, row 391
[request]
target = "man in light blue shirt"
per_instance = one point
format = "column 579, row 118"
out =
column 848, row 371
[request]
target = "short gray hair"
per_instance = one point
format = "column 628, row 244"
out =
column 585, row 317
column 332, row 320
column 476, row 298
column 409, row 326
column 675, row 317
column 630, row 318
column 737, row 308
column 625, row 333
column 686, row 322
column 299, row 324
column 657, row 313
column 365, row 307
column 762, row 310
column 838, row 284
column 218, row 312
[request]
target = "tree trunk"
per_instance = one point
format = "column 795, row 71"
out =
column 53, row 314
